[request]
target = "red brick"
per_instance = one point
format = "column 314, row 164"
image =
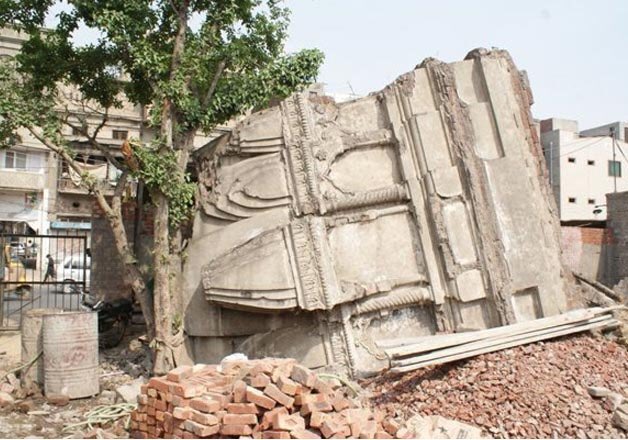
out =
column 204, row 419
column 160, row 384
column 309, row 408
column 142, row 399
column 179, row 373
column 260, row 380
column 303, row 375
column 180, row 401
column 236, row 430
column 239, row 419
column 275, row 393
column 302, row 399
column 201, row 430
column 151, row 392
column 159, row 416
column 322, row 386
column 186, row 389
column 242, row 408
column 356, row 428
column 205, row 404
column 383, row 434
column 150, row 410
column 391, row 426
column 222, row 398
column 143, row 426
column 182, row 413
column 239, row 391
column 262, row 367
column 304, row 434
column 339, row 403
column 177, row 432
column 329, row 428
column 140, row 434
column 368, row 429
column 285, row 422
column 161, row 405
column 187, row 434
column 267, row 418
column 316, row 419
column 287, row 385
column 260, row 399
column 275, row 434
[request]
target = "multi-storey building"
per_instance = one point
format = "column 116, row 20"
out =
column 39, row 193
column 584, row 166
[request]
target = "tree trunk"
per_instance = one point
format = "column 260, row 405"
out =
column 164, row 360
column 132, row 275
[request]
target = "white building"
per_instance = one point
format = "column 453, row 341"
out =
column 584, row 166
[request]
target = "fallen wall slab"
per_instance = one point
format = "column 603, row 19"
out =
column 420, row 209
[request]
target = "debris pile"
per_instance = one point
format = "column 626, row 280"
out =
column 546, row 389
column 267, row 398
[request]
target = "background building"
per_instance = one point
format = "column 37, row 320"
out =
column 584, row 166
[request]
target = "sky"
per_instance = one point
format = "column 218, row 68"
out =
column 575, row 52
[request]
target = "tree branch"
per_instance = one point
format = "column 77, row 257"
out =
column 214, row 83
column 89, row 185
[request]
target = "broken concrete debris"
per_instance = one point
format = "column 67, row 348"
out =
column 325, row 228
column 537, row 390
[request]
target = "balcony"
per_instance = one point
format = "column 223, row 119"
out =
column 18, row 179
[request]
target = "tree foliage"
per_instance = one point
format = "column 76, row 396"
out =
column 194, row 64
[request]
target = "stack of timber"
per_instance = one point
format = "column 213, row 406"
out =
column 411, row 354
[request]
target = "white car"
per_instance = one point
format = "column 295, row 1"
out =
column 73, row 271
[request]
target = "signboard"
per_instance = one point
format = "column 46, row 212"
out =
column 70, row 225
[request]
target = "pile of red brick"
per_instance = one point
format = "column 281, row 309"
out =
column 267, row 398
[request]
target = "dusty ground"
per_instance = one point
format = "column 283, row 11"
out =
column 534, row 391
column 32, row 416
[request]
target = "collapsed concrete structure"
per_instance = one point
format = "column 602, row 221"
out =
column 420, row 209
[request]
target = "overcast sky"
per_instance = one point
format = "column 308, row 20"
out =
column 575, row 53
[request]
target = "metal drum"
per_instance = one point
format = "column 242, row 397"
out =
column 33, row 344
column 71, row 354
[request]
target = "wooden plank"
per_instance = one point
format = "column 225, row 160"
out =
column 442, row 341
column 498, row 347
column 488, row 342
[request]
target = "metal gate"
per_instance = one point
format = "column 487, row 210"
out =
column 41, row 271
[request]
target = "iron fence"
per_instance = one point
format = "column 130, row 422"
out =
column 41, row 271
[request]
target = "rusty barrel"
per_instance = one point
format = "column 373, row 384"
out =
column 33, row 345
column 71, row 354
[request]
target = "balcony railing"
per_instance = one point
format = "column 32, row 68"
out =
column 20, row 179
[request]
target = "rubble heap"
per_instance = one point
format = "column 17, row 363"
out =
column 268, row 398
column 548, row 389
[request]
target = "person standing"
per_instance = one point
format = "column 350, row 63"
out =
column 50, row 270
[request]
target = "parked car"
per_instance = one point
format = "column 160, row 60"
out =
column 73, row 271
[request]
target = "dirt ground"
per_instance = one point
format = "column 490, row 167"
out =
column 33, row 416
column 533, row 391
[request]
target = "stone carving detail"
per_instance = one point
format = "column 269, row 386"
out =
column 390, row 214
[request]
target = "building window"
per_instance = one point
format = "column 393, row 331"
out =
column 572, row 200
column 571, row 160
column 14, row 159
column 614, row 168
column 120, row 135
column 590, row 162
column 591, row 201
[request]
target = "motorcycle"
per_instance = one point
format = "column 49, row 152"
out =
column 114, row 317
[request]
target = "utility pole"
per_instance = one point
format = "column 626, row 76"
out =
column 614, row 167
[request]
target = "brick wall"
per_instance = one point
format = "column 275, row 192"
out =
column 589, row 251
column 617, row 209
column 107, row 268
